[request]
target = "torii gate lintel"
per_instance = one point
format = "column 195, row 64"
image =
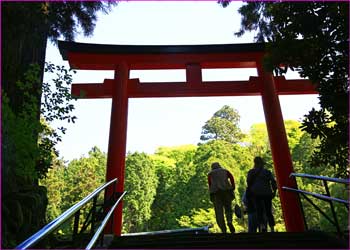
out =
column 137, row 89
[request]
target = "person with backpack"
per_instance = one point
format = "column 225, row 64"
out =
column 221, row 188
column 261, row 188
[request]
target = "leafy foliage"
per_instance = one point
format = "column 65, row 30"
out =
column 65, row 17
column 67, row 185
column 223, row 126
column 28, row 146
column 169, row 190
column 28, row 27
column 311, row 38
column 60, row 18
column 30, row 158
column 141, row 184
column 174, row 168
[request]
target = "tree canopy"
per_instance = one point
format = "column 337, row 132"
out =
column 26, row 28
column 29, row 145
column 169, row 190
column 223, row 125
column 312, row 39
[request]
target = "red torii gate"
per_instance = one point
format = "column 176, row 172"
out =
column 193, row 58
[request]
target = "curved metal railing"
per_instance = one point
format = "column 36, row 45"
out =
column 323, row 178
column 197, row 230
column 50, row 227
column 104, row 223
column 325, row 197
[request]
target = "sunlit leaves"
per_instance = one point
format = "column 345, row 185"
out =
column 141, row 184
column 312, row 39
column 223, row 125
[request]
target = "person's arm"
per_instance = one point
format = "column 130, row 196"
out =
column 273, row 184
column 249, row 178
column 232, row 180
column 209, row 180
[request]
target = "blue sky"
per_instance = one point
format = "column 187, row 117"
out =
column 155, row 122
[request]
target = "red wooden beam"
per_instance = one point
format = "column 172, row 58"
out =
column 194, row 88
column 93, row 90
column 183, row 89
column 290, row 87
column 91, row 61
column 107, row 57
column 294, row 86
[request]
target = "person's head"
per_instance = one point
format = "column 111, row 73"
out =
column 258, row 162
column 215, row 165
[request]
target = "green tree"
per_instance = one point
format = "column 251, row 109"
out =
column 174, row 167
column 55, row 183
column 27, row 158
column 26, row 27
column 302, row 155
column 67, row 185
column 141, row 184
column 258, row 144
column 311, row 38
column 223, row 125
column 163, row 207
column 233, row 157
column 258, row 140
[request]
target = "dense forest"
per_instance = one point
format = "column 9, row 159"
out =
column 168, row 189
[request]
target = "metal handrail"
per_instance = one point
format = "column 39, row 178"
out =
column 182, row 230
column 319, row 196
column 104, row 222
column 47, row 229
column 318, row 177
column 328, row 198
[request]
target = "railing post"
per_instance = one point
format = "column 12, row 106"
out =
column 93, row 215
column 332, row 206
column 112, row 198
column 76, row 224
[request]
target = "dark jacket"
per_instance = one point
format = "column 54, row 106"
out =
column 261, row 182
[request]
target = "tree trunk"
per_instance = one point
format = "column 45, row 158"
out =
column 24, row 38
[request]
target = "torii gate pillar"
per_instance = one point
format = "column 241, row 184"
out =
column 117, row 138
column 283, row 165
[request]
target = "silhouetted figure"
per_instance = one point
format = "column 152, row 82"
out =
column 262, row 188
column 221, row 194
column 250, row 209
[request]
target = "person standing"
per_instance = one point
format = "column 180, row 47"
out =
column 251, row 212
column 262, row 188
column 221, row 188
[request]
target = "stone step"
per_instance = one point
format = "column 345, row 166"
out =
column 306, row 240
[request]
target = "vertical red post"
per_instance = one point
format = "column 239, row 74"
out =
column 194, row 74
column 282, row 160
column 117, row 138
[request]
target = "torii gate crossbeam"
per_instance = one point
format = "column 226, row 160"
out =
column 192, row 58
